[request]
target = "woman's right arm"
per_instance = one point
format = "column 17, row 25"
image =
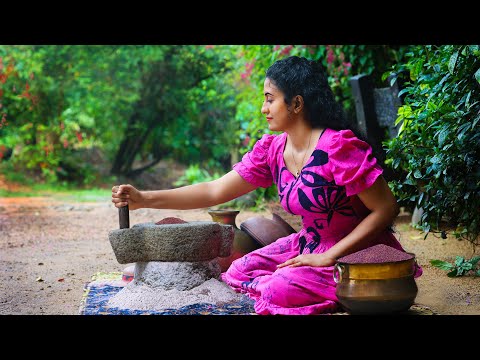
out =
column 201, row 195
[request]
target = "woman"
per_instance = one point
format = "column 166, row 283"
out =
column 323, row 172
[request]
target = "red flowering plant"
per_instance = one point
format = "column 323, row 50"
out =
column 36, row 133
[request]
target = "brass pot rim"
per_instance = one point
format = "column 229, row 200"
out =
column 379, row 263
column 383, row 270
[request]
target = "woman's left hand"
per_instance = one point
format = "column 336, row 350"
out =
column 315, row 260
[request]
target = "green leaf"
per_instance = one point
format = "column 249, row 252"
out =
column 396, row 163
column 452, row 62
column 409, row 181
column 393, row 79
column 442, row 264
column 474, row 260
column 452, row 273
column 473, row 48
column 477, row 75
column 468, row 99
column 403, row 91
column 420, row 198
column 474, row 123
column 459, row 260
column 442, row 136
column 417, row 174
column 478, row 272
column 435, row 160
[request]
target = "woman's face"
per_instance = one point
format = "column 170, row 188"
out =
column 274, row 107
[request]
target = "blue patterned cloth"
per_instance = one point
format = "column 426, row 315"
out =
column 98, row 292
column 96, row 303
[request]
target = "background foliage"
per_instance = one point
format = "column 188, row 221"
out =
column 66, row 111
column 439, row 140
column 59, row 103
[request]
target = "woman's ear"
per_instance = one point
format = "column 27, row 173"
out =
column 297, row 104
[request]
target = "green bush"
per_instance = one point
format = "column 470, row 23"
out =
column 438, row 145
column 194, row 174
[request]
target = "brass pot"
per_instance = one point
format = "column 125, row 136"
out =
column 380, row 288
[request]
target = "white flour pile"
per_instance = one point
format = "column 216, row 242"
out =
column 143, row 297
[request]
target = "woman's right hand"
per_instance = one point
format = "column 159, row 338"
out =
column 123, row 195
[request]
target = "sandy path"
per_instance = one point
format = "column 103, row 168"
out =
column 50, row 249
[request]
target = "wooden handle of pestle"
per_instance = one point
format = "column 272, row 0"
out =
column 123, row 217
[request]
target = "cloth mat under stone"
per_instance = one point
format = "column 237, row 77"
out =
column 105, row 285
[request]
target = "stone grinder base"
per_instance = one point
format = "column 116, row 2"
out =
column 161, row 286
column 175, row 264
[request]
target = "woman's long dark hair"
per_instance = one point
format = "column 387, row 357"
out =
column 299, row 76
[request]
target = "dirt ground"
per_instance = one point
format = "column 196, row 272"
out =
column 49, row 249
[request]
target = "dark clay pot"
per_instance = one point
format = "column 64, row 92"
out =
column 242, row 242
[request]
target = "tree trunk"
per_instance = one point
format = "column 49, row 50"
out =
column 131, row 144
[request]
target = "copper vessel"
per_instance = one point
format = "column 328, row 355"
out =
column 376, row 288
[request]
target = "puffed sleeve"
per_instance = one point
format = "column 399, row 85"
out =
column 352, row 163
column 254, row 166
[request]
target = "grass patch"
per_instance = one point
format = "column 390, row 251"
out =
column 87, row 195
column 60, row 193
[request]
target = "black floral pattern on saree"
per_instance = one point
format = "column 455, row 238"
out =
column 311, row 245
column 328, row 201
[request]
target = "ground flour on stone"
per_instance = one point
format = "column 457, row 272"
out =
column 143, row 297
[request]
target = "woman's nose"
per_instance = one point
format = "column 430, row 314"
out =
column 264, row 109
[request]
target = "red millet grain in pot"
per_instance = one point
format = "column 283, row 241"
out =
column 171, row 220
column 376, row 254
